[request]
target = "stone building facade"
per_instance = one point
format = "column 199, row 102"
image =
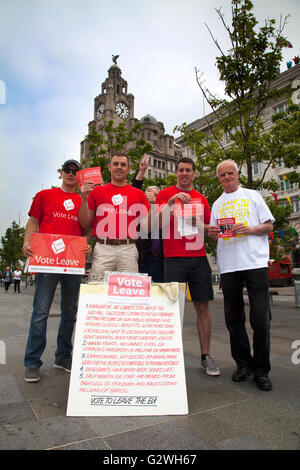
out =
column 289, row 193
column 115, row 103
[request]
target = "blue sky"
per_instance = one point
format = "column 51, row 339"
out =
column 55, row 55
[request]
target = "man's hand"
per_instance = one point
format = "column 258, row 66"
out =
column 27, row 249
column 213, row 232
column 242, row 229
column 183, row 197
column 86, row 188
column 144, row 162
column 88, row 250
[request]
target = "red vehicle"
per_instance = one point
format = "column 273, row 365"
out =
column 280, row 273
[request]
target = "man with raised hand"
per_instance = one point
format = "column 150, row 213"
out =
column 185, row 257
column 115, row 211
column 242, row 257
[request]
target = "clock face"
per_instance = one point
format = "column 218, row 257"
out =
column 100, row 111
column 122, row 110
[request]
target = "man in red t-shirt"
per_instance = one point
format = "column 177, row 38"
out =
column 116, row 211
column 53, row 211
column 184, row 218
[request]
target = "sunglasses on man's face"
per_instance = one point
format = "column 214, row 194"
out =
column 69, row 170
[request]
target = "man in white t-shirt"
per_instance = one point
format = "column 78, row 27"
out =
column 240, row 222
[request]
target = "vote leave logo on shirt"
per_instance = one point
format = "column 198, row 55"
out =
column 117, row 199
column 57, row 254
column 68, row 204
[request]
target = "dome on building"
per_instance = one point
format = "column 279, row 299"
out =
column 148, row 118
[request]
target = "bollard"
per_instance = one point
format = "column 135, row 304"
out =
column 297, row 292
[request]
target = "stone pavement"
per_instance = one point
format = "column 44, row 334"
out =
column 222, row 415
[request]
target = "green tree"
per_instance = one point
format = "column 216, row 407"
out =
column 11, row 246
column 248, row 70
column 115, row 139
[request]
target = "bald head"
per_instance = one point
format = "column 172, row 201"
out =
column 228, row 174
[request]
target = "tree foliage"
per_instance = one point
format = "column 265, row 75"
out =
column 11, row 246
column 237, row 123
column 115, row 139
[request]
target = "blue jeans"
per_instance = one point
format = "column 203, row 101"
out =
column 44, row 293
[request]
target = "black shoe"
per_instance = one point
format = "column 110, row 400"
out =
column 263, row 383
column 241, row 374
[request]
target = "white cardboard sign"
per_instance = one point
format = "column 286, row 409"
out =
column 127, row 359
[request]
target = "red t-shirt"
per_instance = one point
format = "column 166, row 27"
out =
column 174, row 244
column 57, row 212
column 118, row 210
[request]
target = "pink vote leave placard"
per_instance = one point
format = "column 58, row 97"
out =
column 126, row 288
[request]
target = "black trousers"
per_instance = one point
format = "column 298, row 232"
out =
column 256, row 282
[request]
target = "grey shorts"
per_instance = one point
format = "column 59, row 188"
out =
column 196, row 271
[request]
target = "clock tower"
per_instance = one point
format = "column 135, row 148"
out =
column 114, row 103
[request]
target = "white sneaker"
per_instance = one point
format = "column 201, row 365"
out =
column 209, row 367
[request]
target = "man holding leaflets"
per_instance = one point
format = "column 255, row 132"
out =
column 115, row 211
column 242, row 257
column 53, row 211
column 184, row 218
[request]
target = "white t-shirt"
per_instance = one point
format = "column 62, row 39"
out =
column 17, row 275
column 243, row 251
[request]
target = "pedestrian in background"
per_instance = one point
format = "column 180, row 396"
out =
column 17, row 276
column 7, row 278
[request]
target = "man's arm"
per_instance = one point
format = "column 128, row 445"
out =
column 143, row 167
column 31, row 227
column 261, row 229
column 86, row 215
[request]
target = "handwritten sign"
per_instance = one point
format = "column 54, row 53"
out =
column 128, row 359
column 57, row 254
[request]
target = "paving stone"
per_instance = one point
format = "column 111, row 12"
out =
column 66, row 430
column 13, row 413
column 213, row 397
column 9, row 390
column 106, row 426
column 165, row 436
column 91, row 444
column 24, row 436
column 209, row 428
column 278, row 427
column 244, row 442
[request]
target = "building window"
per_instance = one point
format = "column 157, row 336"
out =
column 159, row 164
column 149, row 174
column 154, row 141
column 255, row 168
column 285, row 184
column 280, row 108
column 171, row 166
column 155, row 163
column 295, row 204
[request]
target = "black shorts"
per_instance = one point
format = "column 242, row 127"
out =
column 196, row 271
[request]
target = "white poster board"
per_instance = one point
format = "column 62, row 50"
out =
column 128, row 359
